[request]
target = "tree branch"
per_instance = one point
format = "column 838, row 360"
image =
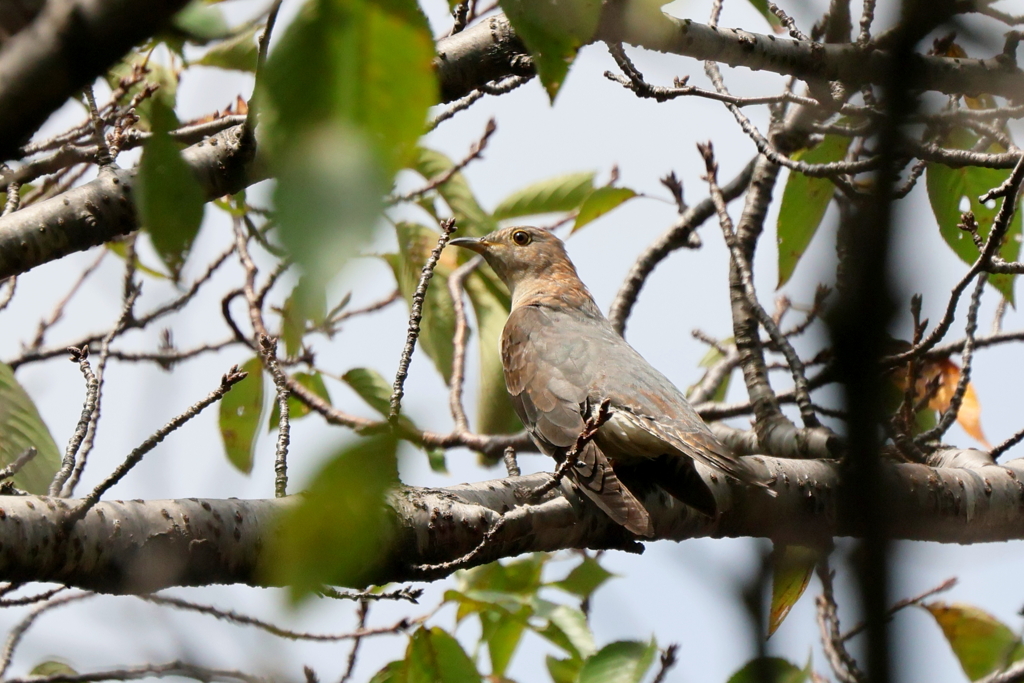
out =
column 142, row 546
column 67, row 46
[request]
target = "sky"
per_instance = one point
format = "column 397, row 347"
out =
column 678, row 592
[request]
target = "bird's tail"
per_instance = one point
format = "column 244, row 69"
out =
column 594, row 476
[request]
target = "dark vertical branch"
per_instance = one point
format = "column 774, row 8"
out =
column 858, row 326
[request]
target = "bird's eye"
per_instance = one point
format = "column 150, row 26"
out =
column 521, row 237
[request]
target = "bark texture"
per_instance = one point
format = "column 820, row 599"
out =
column 142, row 546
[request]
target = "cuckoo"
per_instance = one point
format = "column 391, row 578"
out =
column 563, row 359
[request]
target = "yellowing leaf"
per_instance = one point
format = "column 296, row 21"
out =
column 981, row 643
column 792, row 566
column 948, row 375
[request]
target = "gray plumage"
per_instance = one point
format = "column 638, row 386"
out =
column 562, row 358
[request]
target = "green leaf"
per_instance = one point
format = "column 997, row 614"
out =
column 792, row 566
column 238, row 52
column 710, row 358
column 625, row 661
column 771, row 669
column 947, row 187
column 21, row 428
column 981, row 643
column 773, row 21
column 328, row 198
column 296, row 408
column 240, row 412
column 371, row 387
column 169, row 198
column 553, row 33
column 564, row 670
column 601, row 201
column 119, row 248
column 564, row 626
column 393, row 672
column 376, row 391
column 470, row 217
column 502, row 632
column 585, row 578
column 437, row 460
column 340, row 530
column 804, row 202
column 200, row 22
column 434, row 656
column 563, row 193
column 415, row 242
column 491, row 303
column 305, row 306
column 52, row 668
column 347, row 92
column 521, row 576
column 366, row 64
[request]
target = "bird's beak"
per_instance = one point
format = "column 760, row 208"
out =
column 477, row 244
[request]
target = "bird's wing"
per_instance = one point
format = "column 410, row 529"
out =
column 537, row 359
column 542, row 361
column 685, row 438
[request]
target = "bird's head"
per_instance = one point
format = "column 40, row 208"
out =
column 522, row 255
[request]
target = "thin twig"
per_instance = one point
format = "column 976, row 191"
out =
column 903, row 604
column 268, row 350
column 843, row 664
column 176, row 669
column 415, row 315
column 590, row 430
column 447, row 567
column 364, row 610
column 12, row 284
column 1007, row 445
column 992, row 244
column 18, row 632
column 406, row 594
column 252, row 115
column 474, row 153
column 233, row 377
column 668, row 660
column 948, row 416
column 58, row 311
column 130, row 295
column 679, row 235
column 80, row 356
column 456, row 283
column 32, row 599
column 103, row 156
column 511, row 463
column 19, row 462
column 803, row 395
column 233, row 617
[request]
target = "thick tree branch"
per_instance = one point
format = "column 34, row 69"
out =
column 61, row 51
column 95, row 213
column 136, row 546
column 644, row 25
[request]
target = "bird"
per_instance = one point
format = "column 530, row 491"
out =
column 563, row 362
